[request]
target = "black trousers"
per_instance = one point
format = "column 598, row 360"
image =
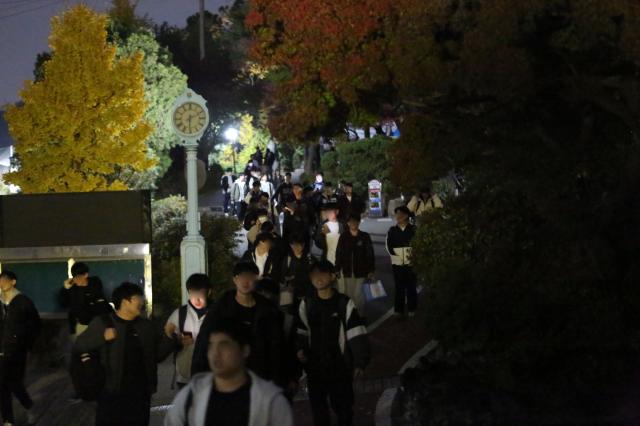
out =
column 338, row 394
column 12, row 369
column 130, row 409
column 406, row 291
column 227, row 201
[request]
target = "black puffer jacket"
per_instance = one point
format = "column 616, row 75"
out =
column 19, row 325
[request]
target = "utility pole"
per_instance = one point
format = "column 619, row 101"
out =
column 202, row 30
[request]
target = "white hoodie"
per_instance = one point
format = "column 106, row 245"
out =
column 268, row 406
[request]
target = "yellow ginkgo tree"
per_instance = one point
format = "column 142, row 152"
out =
column 81, row 124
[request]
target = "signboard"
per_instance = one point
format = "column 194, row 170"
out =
column 375, row 199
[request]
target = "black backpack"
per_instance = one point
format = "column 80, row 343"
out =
column 87, row 372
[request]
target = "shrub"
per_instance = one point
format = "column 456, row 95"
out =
column 169, row 228
column 359, row 162
column 529, row 305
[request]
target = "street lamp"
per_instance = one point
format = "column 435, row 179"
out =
column 232, row 134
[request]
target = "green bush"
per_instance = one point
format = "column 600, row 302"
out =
column 359, row 162
column 530, row 306
column 169, row 228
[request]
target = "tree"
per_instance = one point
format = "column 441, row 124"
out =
column 326, row 60
column 250, row 138
column 84, row 121
column 530, row 275
column 163, row 83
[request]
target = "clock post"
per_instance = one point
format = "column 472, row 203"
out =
column 190, row 119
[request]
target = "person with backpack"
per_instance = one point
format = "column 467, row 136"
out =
column 226, row 182
column 185, row 322
column 425, row 201
column 129, row 349
column 333, row 347
column 398, row 245
column 19, row 326
column 257, row 314
column 231, row 394
column 355, row 261
column 84, row 297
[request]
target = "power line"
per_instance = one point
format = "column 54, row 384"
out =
column 15, row 7
column 13, row 3
column 33, row 9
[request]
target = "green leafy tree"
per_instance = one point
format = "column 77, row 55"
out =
column 163, row 83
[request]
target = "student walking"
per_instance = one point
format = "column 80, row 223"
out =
column 355, row 261
column 264, row 257
column 399, row 248
column 185, row 322
column 333, row 347
column 328, row 233
column 84, row 297
column 231, row 394
column 254, row 312
column 129, row 352
column 19, row 327
column 226, row 184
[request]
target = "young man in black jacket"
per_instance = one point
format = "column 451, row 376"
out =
column 333, row 347
column 296, row 219
column 350, row 203
column 264, row 257
column 399, row 248
column 296, row 266
column 19, row 327
column 283, row 191
column 84, row 298
column 259, row 315
column 355, row 261
column 130, row 349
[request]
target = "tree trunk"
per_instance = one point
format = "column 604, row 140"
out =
column 311, row 158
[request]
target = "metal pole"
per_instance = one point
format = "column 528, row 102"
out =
column 233, row 154
column 202, row 30
column 192, row 190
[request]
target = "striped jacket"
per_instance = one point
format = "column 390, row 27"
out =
column 353, row 338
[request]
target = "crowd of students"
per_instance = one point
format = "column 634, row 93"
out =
column 238, row 361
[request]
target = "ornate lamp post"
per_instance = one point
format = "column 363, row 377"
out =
column 190, row 118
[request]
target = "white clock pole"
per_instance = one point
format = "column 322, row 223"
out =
column 193, row 249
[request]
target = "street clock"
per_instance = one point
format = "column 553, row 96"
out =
column 190, row 116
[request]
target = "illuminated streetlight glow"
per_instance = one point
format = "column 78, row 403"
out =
column 231, row 134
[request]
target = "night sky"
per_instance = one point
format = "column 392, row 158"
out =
column 24, row 28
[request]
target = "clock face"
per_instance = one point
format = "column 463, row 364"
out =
column 189, row 118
